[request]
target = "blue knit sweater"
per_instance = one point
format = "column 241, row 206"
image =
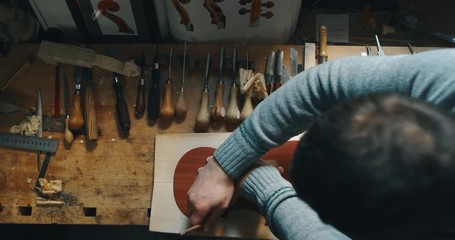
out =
column 291, row 109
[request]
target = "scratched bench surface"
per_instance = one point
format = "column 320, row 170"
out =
column 111, row 182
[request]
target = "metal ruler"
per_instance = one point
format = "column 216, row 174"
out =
column 8, row 140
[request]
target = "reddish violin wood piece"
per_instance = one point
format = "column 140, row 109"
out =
column 184, row 15
column 186, row 172
column 216, row 13
column 108, row 6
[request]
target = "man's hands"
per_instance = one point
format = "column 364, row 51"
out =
column 210, row 194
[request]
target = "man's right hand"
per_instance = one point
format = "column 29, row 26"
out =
column 210, row 194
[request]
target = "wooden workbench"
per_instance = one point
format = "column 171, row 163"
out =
column 111, row 181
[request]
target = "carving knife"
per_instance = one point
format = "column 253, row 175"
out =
column 218, row 112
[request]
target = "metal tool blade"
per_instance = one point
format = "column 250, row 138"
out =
column 170, row 64
column 234, row 67
column 206, row 76
column 221, row 81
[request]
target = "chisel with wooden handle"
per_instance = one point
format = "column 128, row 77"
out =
column 167, row 108
column 233, row 112
column 203, row 116
column 218, row 112
column 180, row 104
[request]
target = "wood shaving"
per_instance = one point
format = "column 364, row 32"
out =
column 50, row 187
column 29, row 126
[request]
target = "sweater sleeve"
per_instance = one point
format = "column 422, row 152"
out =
column 287, row 215
column 291, row 109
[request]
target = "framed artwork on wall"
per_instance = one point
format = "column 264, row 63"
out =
column 101, row 20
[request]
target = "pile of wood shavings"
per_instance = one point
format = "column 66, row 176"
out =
column 29, row 126
column 50, row 187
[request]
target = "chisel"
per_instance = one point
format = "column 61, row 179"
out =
column 203, row 116
column 233, row 112
column 218, row 110
column 167, row 108
column 180, row 104
column 153, row 106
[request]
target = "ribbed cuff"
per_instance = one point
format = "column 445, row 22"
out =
column 267, row 188
column 238, row 153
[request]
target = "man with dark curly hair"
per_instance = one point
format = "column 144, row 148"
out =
column 371, row 164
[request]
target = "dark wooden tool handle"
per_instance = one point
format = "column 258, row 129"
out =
column 218, row 110
column 153, row 106
column 76, row 121
column 140, row 100
column 123, row 115
column 167, row 109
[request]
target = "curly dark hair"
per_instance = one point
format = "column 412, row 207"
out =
column 379, row 164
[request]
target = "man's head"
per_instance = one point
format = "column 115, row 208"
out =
column 381, row 163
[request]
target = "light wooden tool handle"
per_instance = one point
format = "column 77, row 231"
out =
column 203, row 116
column 233, row 112
column 323, row 44
column 91, row 127
column 218, row 110
column 247, row 108
column 76, row 121
column 180, row 105
column 167, row 109
column 69, row 137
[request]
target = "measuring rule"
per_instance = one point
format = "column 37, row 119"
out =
column 49, row 146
